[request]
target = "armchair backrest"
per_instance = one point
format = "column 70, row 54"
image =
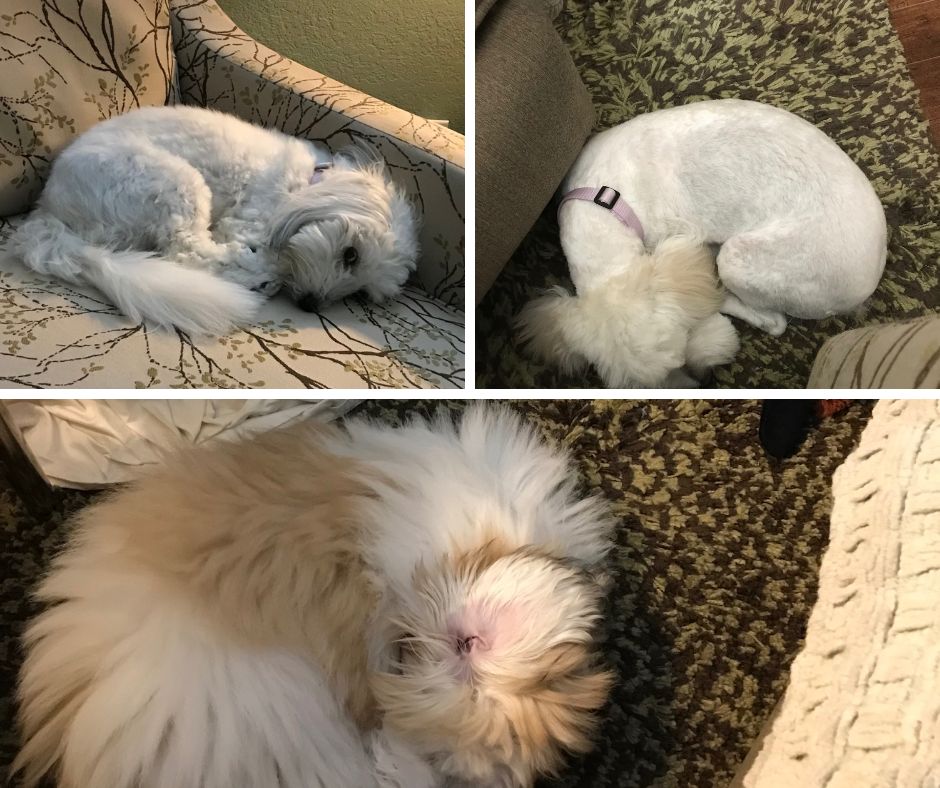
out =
column 68, row 65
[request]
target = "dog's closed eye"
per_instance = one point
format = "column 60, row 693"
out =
column 407, row 651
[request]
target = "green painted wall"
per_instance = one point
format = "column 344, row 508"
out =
column 406, row 52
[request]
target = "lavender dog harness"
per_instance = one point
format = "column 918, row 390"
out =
column 608, row 198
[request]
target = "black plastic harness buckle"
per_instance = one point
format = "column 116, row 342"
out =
column 608, row 204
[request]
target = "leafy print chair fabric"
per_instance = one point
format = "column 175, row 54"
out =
column 67, row 64
column 54, row 335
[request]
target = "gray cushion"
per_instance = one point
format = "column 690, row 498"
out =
column 533, row 114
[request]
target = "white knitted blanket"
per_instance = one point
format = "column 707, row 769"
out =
column 862, row 709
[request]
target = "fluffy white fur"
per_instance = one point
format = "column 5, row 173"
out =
column 367, row 608
column 798, row 227
column 189, row 218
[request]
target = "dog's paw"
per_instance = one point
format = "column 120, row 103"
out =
column 680, row 379
column 774, row 324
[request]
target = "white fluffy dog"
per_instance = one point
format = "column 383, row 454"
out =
column 189, row 218
column 345, row 608
column 801, row 232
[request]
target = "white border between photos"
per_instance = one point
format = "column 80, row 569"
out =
column 475, row 394
column 469, row 208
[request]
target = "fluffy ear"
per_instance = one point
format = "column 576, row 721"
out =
column 293, row 215
column 343, row 195
column 543, row 325
column 359, row 157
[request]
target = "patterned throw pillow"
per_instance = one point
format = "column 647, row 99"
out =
column 65, row 65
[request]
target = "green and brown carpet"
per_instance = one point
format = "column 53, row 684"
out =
column 715, row 572
column 838, row 64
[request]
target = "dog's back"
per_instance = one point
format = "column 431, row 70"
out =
column 183, row 647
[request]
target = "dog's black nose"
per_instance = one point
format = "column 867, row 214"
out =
column 308, row 302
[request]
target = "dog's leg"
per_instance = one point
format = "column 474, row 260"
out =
column 749, row 268
column 774, row 323
column 254, row 264
column 244, row 230
column 680, row 379
column 255, row 270
column 234, row 261
column 170, row 198
column 770, row 272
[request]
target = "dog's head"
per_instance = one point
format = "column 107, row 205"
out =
column 497, row 674
column 644, row 326
column 353, row 230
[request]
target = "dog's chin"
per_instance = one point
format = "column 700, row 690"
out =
column 498, row 675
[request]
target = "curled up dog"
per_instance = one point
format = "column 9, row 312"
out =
column 677, row 219
column 361, row 607
column 189, row 218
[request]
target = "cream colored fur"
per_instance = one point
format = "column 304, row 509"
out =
column 368, row 607
column 641, row 325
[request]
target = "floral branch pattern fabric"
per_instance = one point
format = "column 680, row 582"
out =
column 66, row 65
column 56, row 335
column 98, row 58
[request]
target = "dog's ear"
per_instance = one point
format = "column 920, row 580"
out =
column 543, row 324
column 293, row 215
column 359, row 157
column 344, row 195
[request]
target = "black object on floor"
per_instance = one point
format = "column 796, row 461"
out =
column 784, row 425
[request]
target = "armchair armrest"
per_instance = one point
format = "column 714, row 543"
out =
column 222, row 67
column 901, row 355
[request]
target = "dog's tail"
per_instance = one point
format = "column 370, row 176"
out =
column 142, row 285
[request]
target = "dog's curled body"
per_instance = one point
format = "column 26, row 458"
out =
column 798, row 227
column 188, row 218
column 369, row 607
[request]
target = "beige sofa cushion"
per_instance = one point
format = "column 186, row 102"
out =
column 862, row 709
column 65, row 66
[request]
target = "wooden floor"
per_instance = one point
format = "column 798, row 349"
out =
column 918, row 25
